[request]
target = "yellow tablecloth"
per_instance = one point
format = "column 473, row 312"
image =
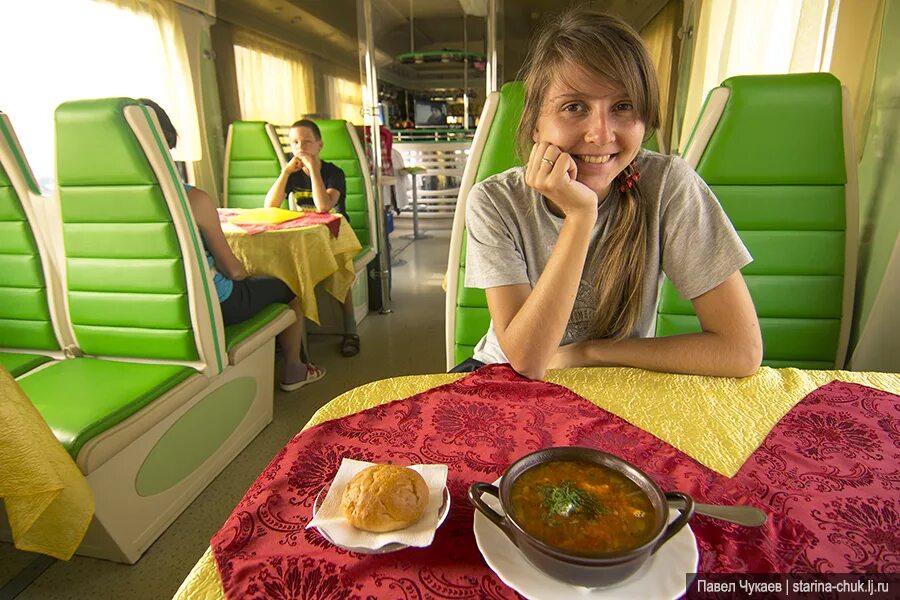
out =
column 717, row 421
column 48, row 502
column 301, row 257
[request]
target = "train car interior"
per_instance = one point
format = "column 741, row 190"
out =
column 249, row 248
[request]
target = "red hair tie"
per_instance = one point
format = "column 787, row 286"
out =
column 628, row 178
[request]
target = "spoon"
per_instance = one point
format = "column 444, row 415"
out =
column 749, row 516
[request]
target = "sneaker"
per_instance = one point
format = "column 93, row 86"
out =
column 313, row 374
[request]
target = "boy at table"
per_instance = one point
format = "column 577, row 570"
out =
column 317, row 185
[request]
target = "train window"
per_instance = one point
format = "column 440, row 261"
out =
column 273, row 84
column 112, row 51
column 344, row 98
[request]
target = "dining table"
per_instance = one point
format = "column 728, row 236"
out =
column 312, row 249
column 816, row 450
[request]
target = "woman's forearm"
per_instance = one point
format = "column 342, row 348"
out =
column 704, row 353
column 532, row 336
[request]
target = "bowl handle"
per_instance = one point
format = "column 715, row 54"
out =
column 475, row 491
column 687, row 511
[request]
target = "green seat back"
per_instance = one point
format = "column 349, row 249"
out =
column 339, row 149
column 25, row 321
column 126, row 284
column 252, row 163
column 776, row 162
column 499, row 154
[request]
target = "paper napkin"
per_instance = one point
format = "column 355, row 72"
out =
column 331, row 520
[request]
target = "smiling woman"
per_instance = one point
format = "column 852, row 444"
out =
column 571, row 249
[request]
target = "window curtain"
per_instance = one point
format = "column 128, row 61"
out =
column 744, row 37
column 344, row 98
column 131, row 48
column 876, row 319
column 274, row 82
column 659, row 35
column 857, row 41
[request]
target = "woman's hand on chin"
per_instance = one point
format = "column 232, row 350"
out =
column 554, row 174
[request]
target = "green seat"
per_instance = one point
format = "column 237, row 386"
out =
column 146, row 401
column 18, row 364
column 772, row 149
column 343, row 148
column 136, row 270
column 253, row 160
column 239, row 332
column 129, row 280
column 27, row 280
column 493, row 151
column 62, row 394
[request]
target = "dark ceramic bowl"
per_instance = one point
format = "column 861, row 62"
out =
column 578, row 569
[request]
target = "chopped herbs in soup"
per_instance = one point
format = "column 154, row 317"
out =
column 582, row 507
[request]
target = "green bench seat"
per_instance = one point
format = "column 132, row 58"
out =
column 18, row 364
column 252, row 163
column 26, row 326
column 239, row 332
column 793, row 202
column 343, row 148
column 81, row 398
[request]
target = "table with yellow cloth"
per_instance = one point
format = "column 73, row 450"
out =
column 717, row 421
column 48, row 502
column 302, row 257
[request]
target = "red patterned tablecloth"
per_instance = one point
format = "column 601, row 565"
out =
column 826, row 474
column 329, row 220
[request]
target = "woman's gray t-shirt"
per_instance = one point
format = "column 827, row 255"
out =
column 511, row 234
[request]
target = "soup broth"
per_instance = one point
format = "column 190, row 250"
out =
column 582, row 507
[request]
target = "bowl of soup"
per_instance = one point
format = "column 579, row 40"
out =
column 582, row 516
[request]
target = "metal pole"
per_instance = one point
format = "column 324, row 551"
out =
column 414, row 170
column 465, row 73
column 415, row 208
column 412, row 39
column 493, row 7
column 370, row 108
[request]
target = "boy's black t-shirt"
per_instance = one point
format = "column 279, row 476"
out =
column 333, row 177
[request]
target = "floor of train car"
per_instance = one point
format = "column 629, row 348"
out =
column 408, row 341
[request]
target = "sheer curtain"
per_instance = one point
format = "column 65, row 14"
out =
column 659, row 35
column 274, row 83
column 131, row 48
column 344, row 98
column 857, row 40
column 744, row 37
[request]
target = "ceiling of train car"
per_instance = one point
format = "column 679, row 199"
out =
column 328, row 27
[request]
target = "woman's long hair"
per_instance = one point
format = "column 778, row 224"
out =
column 583, row 40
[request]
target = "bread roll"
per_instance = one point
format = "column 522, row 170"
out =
column 384, row 498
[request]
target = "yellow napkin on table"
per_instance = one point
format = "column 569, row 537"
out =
column 48, row 502
column 263, row 216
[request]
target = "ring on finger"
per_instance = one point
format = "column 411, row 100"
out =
column 548, row 161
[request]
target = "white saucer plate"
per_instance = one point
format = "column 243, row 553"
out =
column 443, row 511
column 661, row 577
